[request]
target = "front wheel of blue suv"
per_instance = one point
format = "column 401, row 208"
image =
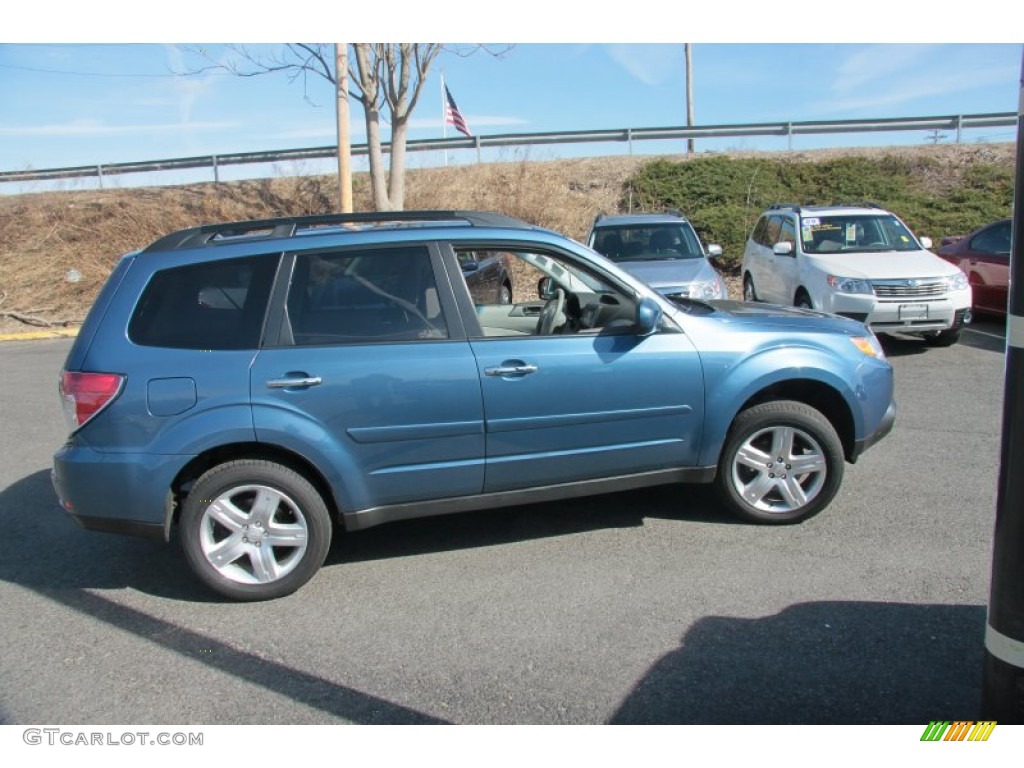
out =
column 782, row 463
column 254, row 530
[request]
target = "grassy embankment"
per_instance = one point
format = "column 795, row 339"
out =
column 938, row 190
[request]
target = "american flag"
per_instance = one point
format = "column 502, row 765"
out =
column 452, row 116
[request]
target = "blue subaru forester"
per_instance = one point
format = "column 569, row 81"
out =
column 256, row 385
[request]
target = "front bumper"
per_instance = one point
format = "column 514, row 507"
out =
column 904, row 315
column 884, row 428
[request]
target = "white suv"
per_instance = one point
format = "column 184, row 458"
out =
column 860, row 262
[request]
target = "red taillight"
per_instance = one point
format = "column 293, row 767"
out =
column 86, row 394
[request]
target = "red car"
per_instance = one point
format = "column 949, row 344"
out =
column 984, row 256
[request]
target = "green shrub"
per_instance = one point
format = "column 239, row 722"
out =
column 724, row 196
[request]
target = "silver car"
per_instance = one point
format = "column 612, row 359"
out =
column 663, row 250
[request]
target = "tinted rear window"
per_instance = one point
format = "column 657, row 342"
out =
column 214, row 305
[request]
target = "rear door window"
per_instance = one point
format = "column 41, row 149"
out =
column 363, row 296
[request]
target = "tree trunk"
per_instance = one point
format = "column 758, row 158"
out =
column 377, row 169
column 396, row 177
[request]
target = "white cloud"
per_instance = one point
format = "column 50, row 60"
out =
column 474, row 121
column 96, row 129
column 650, row 64
column 328, row 132
column 884, row 77
column 877, row 62
column 187, row 90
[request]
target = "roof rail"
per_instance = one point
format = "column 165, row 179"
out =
column 777, row 206
column 212, row 234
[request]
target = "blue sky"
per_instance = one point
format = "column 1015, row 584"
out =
column 99, row 96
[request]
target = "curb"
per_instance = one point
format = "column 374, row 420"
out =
column 56, row 333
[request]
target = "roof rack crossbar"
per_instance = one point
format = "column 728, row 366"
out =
column 777, row 206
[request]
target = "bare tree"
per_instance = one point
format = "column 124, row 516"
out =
column 386, row 79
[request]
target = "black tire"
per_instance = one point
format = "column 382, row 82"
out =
column 803, row 301
column 772, row 494
column 749, row 294
column 942, row 338
column 237, row 507
column 505, row 294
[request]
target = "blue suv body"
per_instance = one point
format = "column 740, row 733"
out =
column 258, row 384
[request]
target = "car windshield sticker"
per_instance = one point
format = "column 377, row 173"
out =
column 851, row 233
column 811, row 221
column 904, row 238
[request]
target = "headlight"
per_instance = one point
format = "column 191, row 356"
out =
column 708, row 289
column 849, row 285
column 868, row 345
column 957, row 282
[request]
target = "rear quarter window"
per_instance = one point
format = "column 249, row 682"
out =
column 758, row 234
column 213, row 305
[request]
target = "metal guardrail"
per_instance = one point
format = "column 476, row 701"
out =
column 957, row 123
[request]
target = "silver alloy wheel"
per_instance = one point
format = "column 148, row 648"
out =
column 253, row 534
column 779, row 469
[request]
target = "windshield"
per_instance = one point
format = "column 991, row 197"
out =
column 653, row 242
column 855, row 234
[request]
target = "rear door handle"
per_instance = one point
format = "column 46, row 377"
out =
column 307, row 381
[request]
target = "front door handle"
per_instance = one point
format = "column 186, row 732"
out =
column 305, row 381
column 520, row 369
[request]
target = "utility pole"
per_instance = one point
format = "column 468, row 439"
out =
column 689, row 95
column 1003, row 684
column 344, row 141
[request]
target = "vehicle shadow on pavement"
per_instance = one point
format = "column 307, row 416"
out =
column 506, row 525
column 43, row 551
column 983, row 339
column 902, row 346
column 820, row 663
column 43, row 548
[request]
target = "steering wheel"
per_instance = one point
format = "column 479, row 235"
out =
column 549, row 315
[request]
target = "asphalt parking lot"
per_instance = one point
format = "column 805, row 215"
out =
column 641, row 607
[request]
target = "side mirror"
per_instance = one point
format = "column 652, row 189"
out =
column 714, row 251
column 926, row 243
column 469, row 265
column 648, row 315
column 546, row 288
column 783, row 249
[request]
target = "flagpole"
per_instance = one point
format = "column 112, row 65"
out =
column 444, row 119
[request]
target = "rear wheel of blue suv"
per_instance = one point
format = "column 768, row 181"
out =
column 256, row 387
column 254, row 530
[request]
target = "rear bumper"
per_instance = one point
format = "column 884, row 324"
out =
column 884, row 428
column 154, row 531
column 122, row 493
